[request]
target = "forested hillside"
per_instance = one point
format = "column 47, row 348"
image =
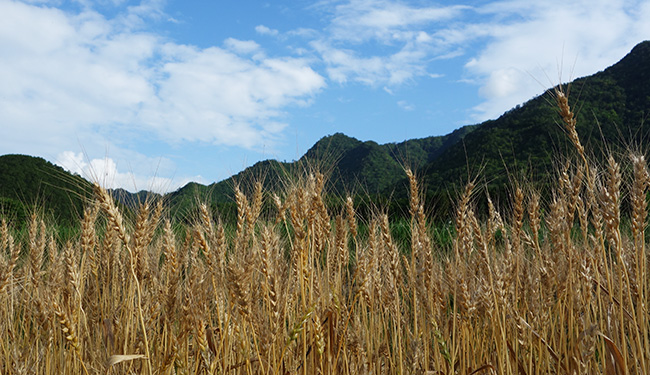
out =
column 28, row 183
column 611, row 108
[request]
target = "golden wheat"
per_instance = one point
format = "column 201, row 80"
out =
column 556, row 285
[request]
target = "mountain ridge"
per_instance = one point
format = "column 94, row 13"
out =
column 527, row 136
column 611, row 107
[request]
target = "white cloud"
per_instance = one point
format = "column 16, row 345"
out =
column 533, row 42
column 360, row 20
column 406, row 105
column 66, row 76
column 105, row 171
column 241, row 46
column 346, row 64
column 404, row 32
column 263, row 30
column 511, row 45
column 227, row 99
column 79, row 77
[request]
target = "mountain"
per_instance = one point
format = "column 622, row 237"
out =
column 28, row 182
column 610, row 106
column 352, row 166
column 128, row 199
column 373, row 167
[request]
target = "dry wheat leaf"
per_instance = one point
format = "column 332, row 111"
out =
column 618, row 357
column 117, row 358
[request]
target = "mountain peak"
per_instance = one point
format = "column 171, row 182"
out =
column 641, row 48
column 334, row 144
column 637, row 60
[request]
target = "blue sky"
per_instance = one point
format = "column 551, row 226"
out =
column 153, row 94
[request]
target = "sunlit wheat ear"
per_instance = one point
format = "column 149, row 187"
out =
column 463, row 226
column 68, row 329
column 72, row 274
column 638, row 198
column 639, row 215
column 212, row 242
column 341, row 244
column 203, row 245
column 36, row 233
column 268, row 255
column 569, row 120
column 352, row 220
column 534, row 217
column 145, row 225
column 6, row 245
column 242, row 214
column 392, row 255
column 280, row 207
column 89, row 237
column 417, row 237
column 373, row 268
column 113, row 214
column 256, row 205
column 206, row 218
column 4, row 235
column 238, row 277
column 4, row 274
column 172, row 267
column 517, row 218
column 414, row 201
column 610, row 198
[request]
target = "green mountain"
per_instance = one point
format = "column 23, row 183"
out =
column 352, row 166
column 28, row 183
column 373, row 167
column 610, row 106
column 128, row 199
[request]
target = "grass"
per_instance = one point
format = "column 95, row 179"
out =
column 558, row 286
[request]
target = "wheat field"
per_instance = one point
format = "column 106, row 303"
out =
column 543, row 286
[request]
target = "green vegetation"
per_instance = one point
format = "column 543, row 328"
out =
column 612, row 107
column 28, row 183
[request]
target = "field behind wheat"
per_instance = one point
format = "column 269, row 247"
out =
column 555, row 282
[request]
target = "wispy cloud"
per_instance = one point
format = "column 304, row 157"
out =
column 531, row 42
column 406, row 105
column 403, row 31
column 241, row 46
column 228, row 99
column 508, row 46
column 387, row 21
